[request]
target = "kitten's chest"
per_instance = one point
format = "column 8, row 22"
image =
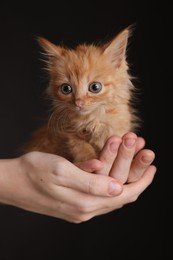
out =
column 95, row 132
column 91, row 128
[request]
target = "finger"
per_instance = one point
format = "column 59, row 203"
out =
column 121, row 166
column 109, row 154
column 130, row 193
column 140, row 143
column 75, row 178
column 72, row 205
column 88, row 206
column 95, row 206
column 140, row 164
column 136, row 188
column 90, row 165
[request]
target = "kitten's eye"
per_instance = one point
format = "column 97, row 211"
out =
column 66, row 89
column 95, row 87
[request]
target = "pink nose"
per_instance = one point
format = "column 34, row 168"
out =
column 79, row 102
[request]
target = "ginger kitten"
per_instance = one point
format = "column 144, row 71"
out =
column 92, row 95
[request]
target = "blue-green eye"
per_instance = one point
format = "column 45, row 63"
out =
column 95, row 87
column 66, row 89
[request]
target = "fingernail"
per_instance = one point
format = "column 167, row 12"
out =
column 114, row 147
column 114, row 188
column 147, row 159
column 129, row 142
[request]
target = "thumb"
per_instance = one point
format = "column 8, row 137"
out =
column 95, row 184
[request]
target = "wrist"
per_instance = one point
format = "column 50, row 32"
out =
column 9, row 185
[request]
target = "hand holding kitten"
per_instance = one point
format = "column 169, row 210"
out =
column 51, row 185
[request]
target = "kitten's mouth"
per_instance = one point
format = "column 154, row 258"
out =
column 82, row 110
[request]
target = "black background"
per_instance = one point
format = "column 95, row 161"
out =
column 137, row 230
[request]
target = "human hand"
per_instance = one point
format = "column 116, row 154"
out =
column 51, row 185
column 125, row 159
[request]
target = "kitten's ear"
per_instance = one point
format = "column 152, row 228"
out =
column 50, row 48
column 116, row 49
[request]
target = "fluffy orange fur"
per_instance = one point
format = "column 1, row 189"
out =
column 91, row 93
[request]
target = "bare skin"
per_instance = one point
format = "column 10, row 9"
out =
column 50, row 185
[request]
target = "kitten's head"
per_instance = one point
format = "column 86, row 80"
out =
column 88, row 77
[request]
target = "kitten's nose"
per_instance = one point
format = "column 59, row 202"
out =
column 79, row 103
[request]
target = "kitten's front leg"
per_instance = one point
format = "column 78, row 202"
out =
column 80, row 150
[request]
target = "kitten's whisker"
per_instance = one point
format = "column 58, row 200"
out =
column 58, row 119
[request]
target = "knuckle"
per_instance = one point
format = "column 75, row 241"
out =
column 97, row 185
column 85, row 206
column 82, row 218
column 91, row 185
column 133, row 198
column 84, row 211
column 58, row 167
